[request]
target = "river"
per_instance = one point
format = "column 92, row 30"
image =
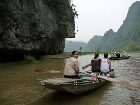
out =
column 18, row 84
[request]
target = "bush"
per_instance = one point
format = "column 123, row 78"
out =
column 29, row 59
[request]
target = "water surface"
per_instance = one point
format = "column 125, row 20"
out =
column 18, row 84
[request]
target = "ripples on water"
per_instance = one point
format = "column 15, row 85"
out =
column 18, row 86
column 119, row 94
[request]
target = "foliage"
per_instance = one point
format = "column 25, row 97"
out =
column 127, row 38
column 29, row 59
column 65, row 13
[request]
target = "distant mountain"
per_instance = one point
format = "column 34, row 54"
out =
column 128, row 35
column 74, row 45
column 93, row 43
column 126, row 38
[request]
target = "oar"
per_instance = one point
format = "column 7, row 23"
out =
column 124, row 82
column 47, row 71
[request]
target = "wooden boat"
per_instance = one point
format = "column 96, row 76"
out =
column 121, row 58
column 75, row 86
column 86, row 83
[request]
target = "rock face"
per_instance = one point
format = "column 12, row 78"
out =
column 128, row 35
column 35, row 26
column 126, row 38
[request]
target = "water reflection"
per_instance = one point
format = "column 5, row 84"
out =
column 59, row 98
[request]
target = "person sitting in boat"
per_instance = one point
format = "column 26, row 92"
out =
column 118, row 55
column 124, row 54
column 95, row 64
column 105, row 65
column 71, row 66
column 113, row 54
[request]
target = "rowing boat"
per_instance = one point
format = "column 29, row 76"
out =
column 121, row 58
column 75, row 86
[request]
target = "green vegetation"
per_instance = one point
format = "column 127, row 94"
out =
column 127, row 38
column 86, row 53
column 29, row 59
column 65, row 13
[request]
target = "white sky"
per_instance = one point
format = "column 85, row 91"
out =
column 98, row 16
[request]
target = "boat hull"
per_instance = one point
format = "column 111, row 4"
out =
column 121, row 58
column 75, row 87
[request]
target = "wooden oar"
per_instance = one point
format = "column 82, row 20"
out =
column 47, row 71
column 123, row 82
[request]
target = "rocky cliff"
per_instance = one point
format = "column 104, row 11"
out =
column 34, row 26
column 126, row 38
column 128, row 35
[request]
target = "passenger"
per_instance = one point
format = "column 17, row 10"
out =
column 95, row 64
column 71, row 66
column 114, row 54
column 118, row 55
column 105, row 65
column 124, row 54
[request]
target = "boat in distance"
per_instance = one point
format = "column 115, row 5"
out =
column 120, row 58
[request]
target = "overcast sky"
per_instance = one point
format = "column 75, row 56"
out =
column 98, row 16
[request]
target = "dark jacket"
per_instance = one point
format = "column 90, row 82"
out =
column 95, row 64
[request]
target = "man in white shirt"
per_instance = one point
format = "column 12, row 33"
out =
column 105, row 65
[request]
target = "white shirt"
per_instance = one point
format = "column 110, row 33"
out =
column 104, row 66
column 71, row 66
